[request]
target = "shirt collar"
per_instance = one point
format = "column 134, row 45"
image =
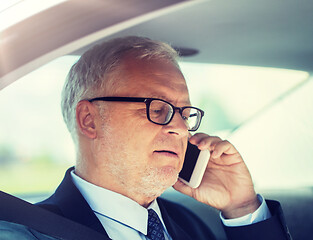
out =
column 120, row 208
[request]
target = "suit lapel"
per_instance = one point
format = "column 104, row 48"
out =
column 175, row 231
column 72, row 205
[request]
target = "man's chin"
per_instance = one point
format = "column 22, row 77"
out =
column 168, row 177
column 158, row 180
column 168, row 171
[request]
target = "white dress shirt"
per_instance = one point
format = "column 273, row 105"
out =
column 123, row 218
column 261, row 214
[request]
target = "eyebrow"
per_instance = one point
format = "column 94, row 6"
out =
column 156, row 95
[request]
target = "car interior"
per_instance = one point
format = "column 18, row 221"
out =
column 249, row 64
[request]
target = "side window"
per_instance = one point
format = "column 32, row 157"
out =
column 35, row 146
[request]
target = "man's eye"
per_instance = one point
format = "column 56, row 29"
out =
column 158, row 111
column 185, row 118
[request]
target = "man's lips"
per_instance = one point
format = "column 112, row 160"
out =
column 166, row 152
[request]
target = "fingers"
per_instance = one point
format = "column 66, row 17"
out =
column 223, row 147
column 204, row 141
column 183, row 188
column 216, row 145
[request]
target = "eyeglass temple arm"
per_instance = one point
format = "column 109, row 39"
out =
column 118, row 99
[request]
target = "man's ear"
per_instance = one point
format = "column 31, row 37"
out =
column 85, row 119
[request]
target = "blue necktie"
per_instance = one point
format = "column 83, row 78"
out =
column 155, row 227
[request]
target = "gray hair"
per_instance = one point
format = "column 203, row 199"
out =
column 90, row 72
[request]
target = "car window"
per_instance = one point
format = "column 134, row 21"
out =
column 36, row 148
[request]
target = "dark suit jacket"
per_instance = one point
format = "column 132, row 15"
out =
column 181, row 223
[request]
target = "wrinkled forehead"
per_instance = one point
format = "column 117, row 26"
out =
column 159, row 78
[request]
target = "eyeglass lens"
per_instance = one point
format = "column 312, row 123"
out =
column 161, row 112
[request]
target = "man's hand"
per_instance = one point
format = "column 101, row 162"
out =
column 227, row 183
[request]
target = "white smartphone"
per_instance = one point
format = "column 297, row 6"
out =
column 194, row 165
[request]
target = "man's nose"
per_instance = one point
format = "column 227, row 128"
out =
column 178, row 125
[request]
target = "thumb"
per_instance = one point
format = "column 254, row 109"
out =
column 183, row 188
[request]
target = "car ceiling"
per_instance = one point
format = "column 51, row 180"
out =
column 243, row 32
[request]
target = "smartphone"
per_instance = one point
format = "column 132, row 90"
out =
column 194, row 165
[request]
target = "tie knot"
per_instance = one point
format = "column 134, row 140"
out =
column 155, row 227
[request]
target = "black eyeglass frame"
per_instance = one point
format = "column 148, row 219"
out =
column 148, row 101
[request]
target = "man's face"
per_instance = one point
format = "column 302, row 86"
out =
column 142, row 157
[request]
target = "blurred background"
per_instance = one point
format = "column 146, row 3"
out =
column 36, row 148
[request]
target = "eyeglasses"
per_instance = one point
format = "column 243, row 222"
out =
column 162, row 112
